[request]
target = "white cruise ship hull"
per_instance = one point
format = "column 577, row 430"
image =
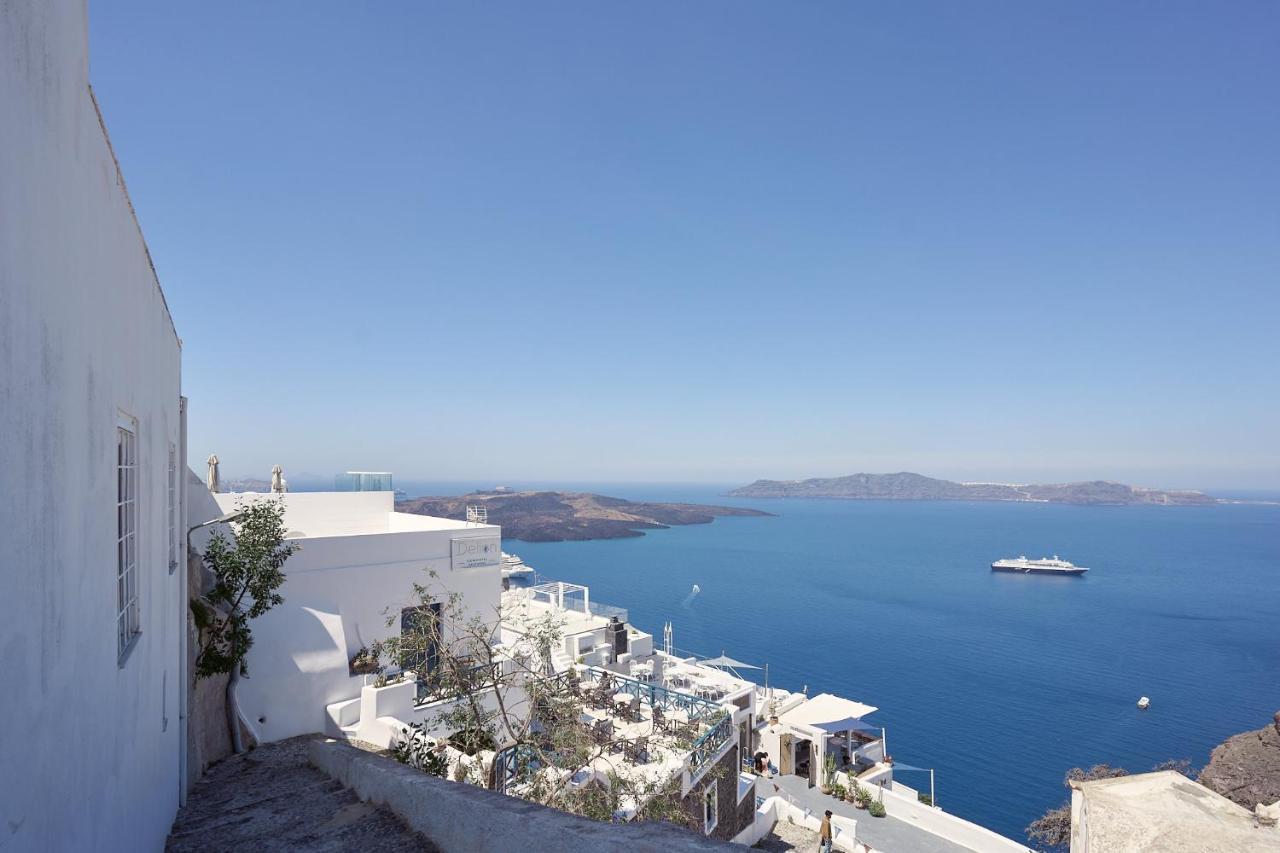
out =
column 1030, row 569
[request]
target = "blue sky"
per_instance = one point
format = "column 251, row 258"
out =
column 713, row 241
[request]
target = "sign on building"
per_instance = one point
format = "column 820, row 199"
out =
column 475, row 552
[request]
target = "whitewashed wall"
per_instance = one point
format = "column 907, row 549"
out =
column 903, row 803
column 336, row 592
column 90, row 752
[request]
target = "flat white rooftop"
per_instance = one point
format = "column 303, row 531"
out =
column 1162, row 812
column 312, row 515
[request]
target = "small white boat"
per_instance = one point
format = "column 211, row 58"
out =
column 1144, row 703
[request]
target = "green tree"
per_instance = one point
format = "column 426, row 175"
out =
column 247, row 575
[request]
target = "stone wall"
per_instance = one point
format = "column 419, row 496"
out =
column 457, row 816
column 733, row 816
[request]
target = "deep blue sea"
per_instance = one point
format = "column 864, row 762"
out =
column 1000, row 682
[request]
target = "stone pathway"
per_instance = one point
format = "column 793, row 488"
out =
column 272, row 799
column 882, row 833
column 786, row 837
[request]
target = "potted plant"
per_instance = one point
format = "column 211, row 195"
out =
column 863, row 797
column 876, row 808
column 828, row 774
column 838, row 791
column 365, row 662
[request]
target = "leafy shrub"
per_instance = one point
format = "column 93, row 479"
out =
column 365, row 662
column 416, row 750
column 876, row 808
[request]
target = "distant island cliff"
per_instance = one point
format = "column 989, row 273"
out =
column 570, row 516
column 906, row 486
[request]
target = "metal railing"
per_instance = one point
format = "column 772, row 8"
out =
column 709, row 744
column 435, row 686
column 514, row 763
column 658, row 696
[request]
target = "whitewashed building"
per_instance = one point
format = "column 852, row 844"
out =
column 90, row 498
column 358, row 560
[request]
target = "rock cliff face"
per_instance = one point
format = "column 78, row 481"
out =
column 1246, row 769
column 906, row 486
column 560, row 516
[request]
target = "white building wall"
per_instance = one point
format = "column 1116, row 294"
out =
column 90, row 752
column 336, row 593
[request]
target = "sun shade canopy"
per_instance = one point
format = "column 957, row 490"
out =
column 848, row 724
column 824, row 709
column 724, row 660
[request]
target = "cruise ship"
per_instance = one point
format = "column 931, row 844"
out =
column 1044, row 566
column 514, row 567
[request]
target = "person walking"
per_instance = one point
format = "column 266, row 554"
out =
column 824, row 834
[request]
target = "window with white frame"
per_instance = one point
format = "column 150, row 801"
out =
column 128, row 623
column 710, row 809
column 173, row 508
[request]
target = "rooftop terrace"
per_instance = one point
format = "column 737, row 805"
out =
column 311, row 515
column 1159, row 812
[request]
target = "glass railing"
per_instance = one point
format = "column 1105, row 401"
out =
column 608, row 611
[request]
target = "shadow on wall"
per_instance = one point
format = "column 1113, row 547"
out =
column 319, row 642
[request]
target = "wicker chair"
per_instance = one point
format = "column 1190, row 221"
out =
column 659, row 720
column 637, row 750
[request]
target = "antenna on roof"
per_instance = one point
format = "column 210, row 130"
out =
column 477, row 514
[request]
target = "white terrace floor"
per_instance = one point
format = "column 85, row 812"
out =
column 889, row 834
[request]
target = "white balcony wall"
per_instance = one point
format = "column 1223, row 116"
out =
column 90, row 756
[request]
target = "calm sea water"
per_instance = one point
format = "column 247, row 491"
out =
column 1000, row 682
